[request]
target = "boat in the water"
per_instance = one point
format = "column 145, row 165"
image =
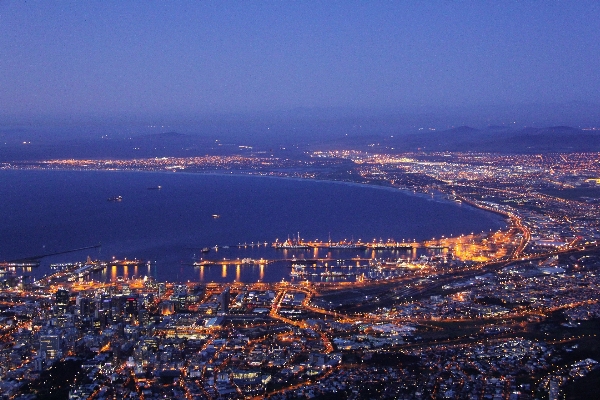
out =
column 115, row 198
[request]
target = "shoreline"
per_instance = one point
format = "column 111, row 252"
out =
column 440, row 196
column 182, row 249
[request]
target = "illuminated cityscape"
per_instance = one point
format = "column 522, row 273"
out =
column 507, row 314
column 293, row 200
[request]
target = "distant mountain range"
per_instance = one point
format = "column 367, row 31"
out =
column 495, row 139
column 166, row 144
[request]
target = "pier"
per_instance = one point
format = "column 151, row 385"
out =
column 299, row 244
column 34, row 261
column 291, row 261
column 389, row 245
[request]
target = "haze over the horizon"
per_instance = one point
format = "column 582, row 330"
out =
column 183, row 60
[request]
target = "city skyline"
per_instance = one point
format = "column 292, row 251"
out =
column 433, row 165
column 508, row 313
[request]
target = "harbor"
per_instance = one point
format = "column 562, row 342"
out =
column 293, row 260
column 150, row 224
column 298, row 243
column 390, row 244
column 297, row 260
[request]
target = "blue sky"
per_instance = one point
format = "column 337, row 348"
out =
column 195, row 58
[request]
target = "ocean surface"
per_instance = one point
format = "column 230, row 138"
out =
column 45, row 212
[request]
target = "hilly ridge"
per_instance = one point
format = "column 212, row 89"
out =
column 494, row 140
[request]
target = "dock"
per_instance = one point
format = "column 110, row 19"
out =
column 291, row 261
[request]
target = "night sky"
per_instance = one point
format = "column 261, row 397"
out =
column 192, row 58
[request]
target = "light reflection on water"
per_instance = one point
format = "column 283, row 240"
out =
column 340, row 266
column 170, row 227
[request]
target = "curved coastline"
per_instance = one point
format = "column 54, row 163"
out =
column 384, row 186
column 171, row 225
column 439, row 197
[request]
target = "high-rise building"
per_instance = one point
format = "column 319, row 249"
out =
column 61, row 299
column 83, row 306
column 50, row 347
column 224, row 300
column 143, row 317
column 131, row 306
column 180, row 302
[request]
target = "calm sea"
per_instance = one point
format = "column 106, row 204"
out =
column 45, row 212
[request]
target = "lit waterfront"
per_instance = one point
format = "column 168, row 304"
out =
column 509, row 312
column 432, row 309
column 170, row 227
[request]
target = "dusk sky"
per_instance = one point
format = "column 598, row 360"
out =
column 193, row 58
